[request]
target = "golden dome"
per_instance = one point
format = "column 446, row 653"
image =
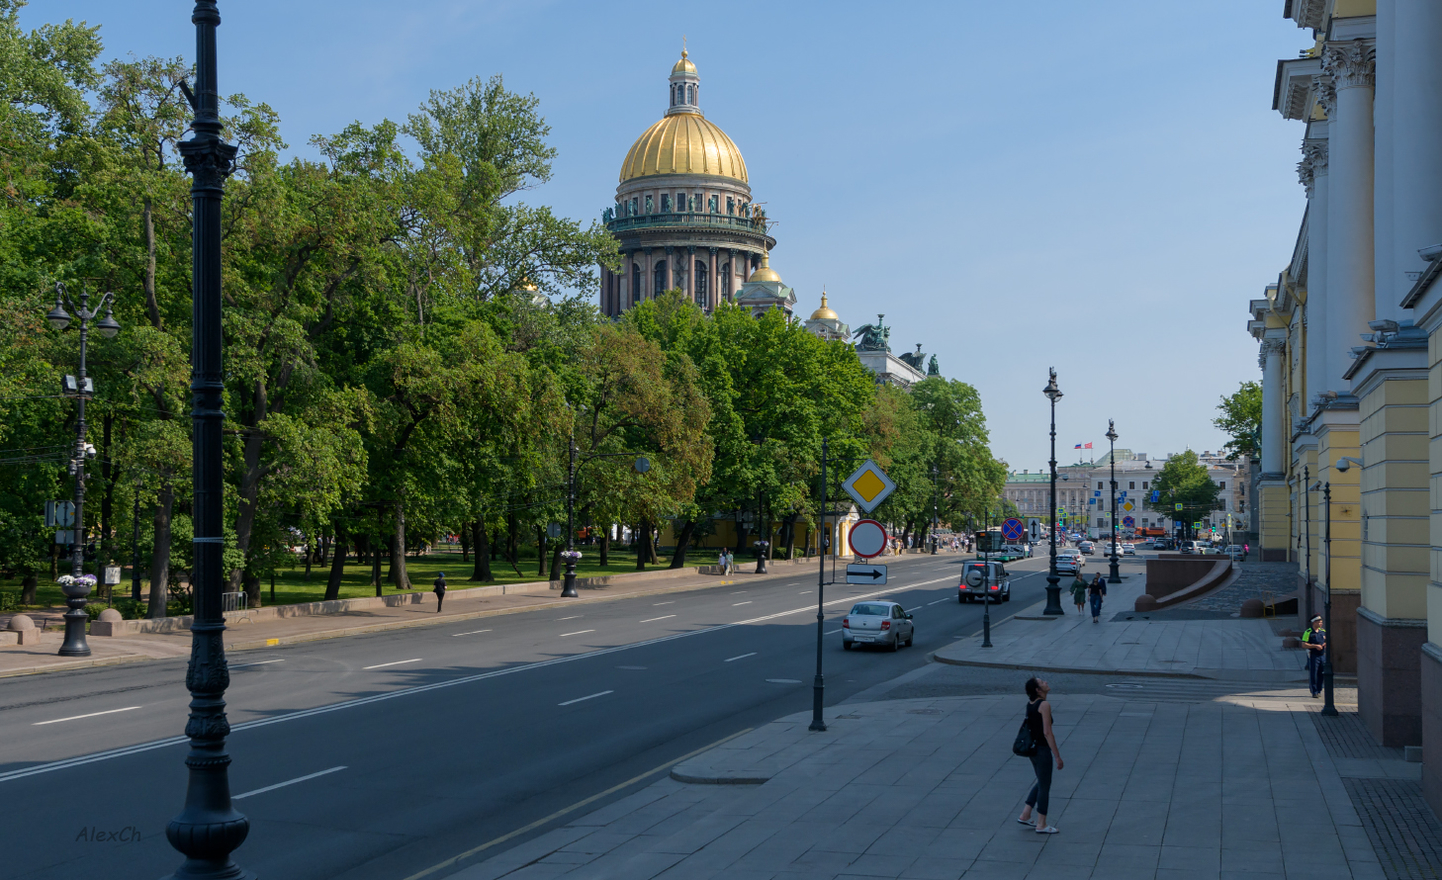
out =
column 824, row 313
column 765, row 273
column 684, row 143
column 683, row 66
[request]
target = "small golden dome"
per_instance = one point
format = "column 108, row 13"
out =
column 684, row 143
column 765, row 273
column 683, row 66
column 824, row 313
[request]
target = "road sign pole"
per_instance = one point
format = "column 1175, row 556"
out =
column 818, row 687
column 986, row 607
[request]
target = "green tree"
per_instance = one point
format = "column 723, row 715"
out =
column 1184, row 480
column 1241, row 419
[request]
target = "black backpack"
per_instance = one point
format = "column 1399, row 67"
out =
column 1025, row 745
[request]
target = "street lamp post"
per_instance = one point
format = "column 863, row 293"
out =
column 935, row 511
column 1307, row 537
column 209, row 828
column 75, row 589
column 1115, row 577
column 1328, row 707
column 1053, row 580
column 818, row 686
column 568, row 589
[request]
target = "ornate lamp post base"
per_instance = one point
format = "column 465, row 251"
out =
column 568, row 590
column 761, row 564
column 1053, row 596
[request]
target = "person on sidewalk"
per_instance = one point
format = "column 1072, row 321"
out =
column 1038, row 716
column 721, row 562
column 1098, row 591
column 1079, row 591
column 440, row 590
column 1314, row 639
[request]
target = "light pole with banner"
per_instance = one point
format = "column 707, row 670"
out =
column 1115, row 577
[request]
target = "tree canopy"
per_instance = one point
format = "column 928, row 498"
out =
column 1241, row 419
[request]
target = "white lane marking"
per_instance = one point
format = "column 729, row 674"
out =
column 126, row 751
column 668, row 602
column 256, row 663
column 78, row 717
column 580, row 699
column 784, row 680
column 739, row 657
column 654, row 619
column 833, row 632
column 579, row 632
column 392, row 663
column 471, row 633
column 803, row 592
column 572, row 617
column 630, row 667
column 739, row 604
column 909, row 610
column 237, row 797
column 939, row 601
column 739, row 592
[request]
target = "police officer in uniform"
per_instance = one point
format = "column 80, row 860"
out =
column 1314, row 639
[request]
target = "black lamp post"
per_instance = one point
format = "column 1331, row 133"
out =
column 1307, row 537
column 75, row 589
column 568, row 589
column 1053, row 580
column 1115, row 577
column 818, row 686
column 935, row 512
column 209, row 829
column 1328, row 707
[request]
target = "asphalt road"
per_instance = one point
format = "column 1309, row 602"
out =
column 385, row 755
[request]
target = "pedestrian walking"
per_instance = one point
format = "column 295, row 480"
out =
column 1246, row 551
column 1097, row 591
column 440, row 590
column 1079, row 591
column 1314, row 639
column 721, row 561
column 1039, row 720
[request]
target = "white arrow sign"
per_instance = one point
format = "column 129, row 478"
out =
column 866, row 574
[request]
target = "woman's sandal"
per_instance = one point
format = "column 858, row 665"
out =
column 1030, row 823
column 1050, row 829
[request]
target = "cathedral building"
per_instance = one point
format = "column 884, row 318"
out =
column 684, row 215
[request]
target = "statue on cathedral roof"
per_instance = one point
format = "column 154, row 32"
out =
column 932, row 369
column 874, row 337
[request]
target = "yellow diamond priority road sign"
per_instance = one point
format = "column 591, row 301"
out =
column 869, row 486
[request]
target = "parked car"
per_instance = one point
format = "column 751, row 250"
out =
column 981, row 579
column 1129, row 550
column 878, row 623
column 1069, row 562
column 1087, row 548
column 1195, row 548
column 1235, row 551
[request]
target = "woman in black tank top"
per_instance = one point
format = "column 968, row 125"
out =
column 1038, row 718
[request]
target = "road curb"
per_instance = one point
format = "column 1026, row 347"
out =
column 1072, row 670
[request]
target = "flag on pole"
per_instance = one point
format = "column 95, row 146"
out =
column 1078, row 446
column 1088, row 446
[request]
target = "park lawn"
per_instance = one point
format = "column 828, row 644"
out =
column 292, row 588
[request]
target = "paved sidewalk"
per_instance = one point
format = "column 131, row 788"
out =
column 242, row 635
column 1239, row 787
column 1233, row 649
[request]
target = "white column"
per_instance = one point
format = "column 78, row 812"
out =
column 1350, row 246
column 1274, row 408
column 1387, row 298
column 1416, row 134
column 1313, row 170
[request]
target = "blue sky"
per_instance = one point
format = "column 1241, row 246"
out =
column 1100, row 187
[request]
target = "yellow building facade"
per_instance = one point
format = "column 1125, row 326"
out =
column 1351, row 483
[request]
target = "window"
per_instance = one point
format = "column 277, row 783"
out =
column 635, row 283
column 1100, row 486
column 659, row 281
column 700, row 284
column 726, row 279
column 1222, row 485
column 680, row 202
column 1132, row 484
column 1144, row 484
column 665, row 203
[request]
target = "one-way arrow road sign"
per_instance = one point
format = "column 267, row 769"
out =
column 866, row 574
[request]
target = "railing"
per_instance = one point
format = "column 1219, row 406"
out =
column 234, row 603
column 730, row 221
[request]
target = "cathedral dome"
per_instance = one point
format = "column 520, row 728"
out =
column 765, row 272
column 684, row 141
column 824, row 313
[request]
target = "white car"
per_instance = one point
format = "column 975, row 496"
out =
column 1129, row 550
column 1235, row 551
column 1069, row 562
column 877, row 623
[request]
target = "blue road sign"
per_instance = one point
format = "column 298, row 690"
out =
column 1129, row 521
column 1013, row 529
column 1091, row 501
column 1156, row 495
column 1096, row 493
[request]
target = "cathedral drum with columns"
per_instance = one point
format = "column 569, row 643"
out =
column 683, row 214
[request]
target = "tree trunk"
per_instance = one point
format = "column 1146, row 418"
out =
column 791, row 536
column 326, row 548
column 540, row 551
column 606, row 547
column 249, row 499
column 683, row 540
column 643, row 540
column 152, row 306
column 556, row 561
column 110, row 474
column 160, row 555
column 740, row 538
column 399, row 577
column 513, row 541
column 337, row 565
column 27, row 589
column 309, row 546
column 465, row 542
column 482, row 570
